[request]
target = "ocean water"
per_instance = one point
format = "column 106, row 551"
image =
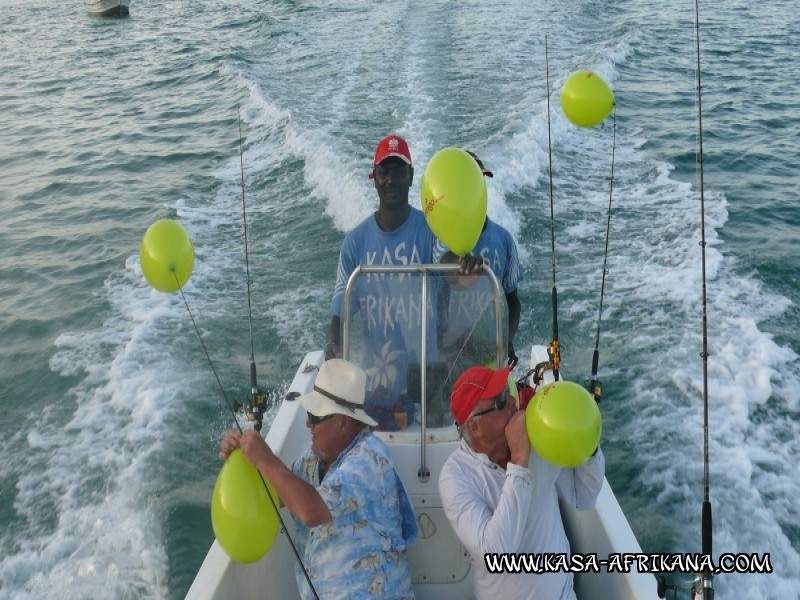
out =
column 109, row 413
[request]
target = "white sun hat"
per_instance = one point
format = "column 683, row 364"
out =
column 338, row 390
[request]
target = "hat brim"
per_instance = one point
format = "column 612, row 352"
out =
column 320, row 406
column 402, row 157
column 497, row 382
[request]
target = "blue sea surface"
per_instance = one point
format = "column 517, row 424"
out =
column 110, row 416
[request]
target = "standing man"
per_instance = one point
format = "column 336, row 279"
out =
column 500, row 496
column 497, row 249
column 352, row 513
column 396, row 234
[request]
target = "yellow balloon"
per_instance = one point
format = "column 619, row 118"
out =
column 454, row 199
column 563, row 423
column 243, row 518
column 586, row 99
column 166, row 255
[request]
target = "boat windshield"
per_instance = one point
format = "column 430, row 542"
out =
column 412, row 362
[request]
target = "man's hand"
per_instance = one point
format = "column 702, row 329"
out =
column 333, row 347
column 512, row 356
column 518, row 442
column 254, row 447
column 256, row 450
column 470, row 265
column 332, row 350
column 229, row 444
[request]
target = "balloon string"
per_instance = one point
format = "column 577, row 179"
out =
column 288, row 537
column 208, row 357
column 236, row 422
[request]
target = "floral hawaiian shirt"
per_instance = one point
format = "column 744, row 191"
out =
column 361, row 551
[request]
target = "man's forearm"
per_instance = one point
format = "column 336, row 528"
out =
column 300, row 497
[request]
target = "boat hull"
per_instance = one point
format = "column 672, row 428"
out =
column 108, row 8
column 440, row 566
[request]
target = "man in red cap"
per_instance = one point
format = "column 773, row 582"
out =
column 500, row 496
column 396, row 234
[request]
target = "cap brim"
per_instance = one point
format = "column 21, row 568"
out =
column 497, row 382
column 320, row 406
column 402, row 157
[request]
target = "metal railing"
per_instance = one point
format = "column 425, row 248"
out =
column 424, row 271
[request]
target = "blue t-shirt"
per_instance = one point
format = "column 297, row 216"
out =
column 496, row 246
column 361, row 552
column 470, row 308
column 389, row 308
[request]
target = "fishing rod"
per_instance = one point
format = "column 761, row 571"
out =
column 594, row 385
column 255, row 411
column 702, row 587
column 554, row 351
column 706, row 591
column 257, row 396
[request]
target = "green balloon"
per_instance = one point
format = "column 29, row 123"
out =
column 586, row 99
column 453, row 195
column 242, row 516
column 563, row 424
column 166, row 255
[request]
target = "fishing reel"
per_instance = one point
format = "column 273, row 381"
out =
column 662, row 586
column 554, row 352
column 595, row 388
column 699, row 587
column 534, row 377
column 254, row 408
column 702, row 587
column 594, row 385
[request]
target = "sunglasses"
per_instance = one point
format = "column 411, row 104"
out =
column 499, row 404
column 315, row 420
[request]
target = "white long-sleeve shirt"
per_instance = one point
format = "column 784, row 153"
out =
column 515, row 510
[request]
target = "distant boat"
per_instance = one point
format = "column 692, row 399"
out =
column 108, row 8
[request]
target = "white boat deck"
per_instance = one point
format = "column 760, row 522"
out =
column 439, row 563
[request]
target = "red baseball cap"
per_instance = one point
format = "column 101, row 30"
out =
column 391, row 145
column 474, row 385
